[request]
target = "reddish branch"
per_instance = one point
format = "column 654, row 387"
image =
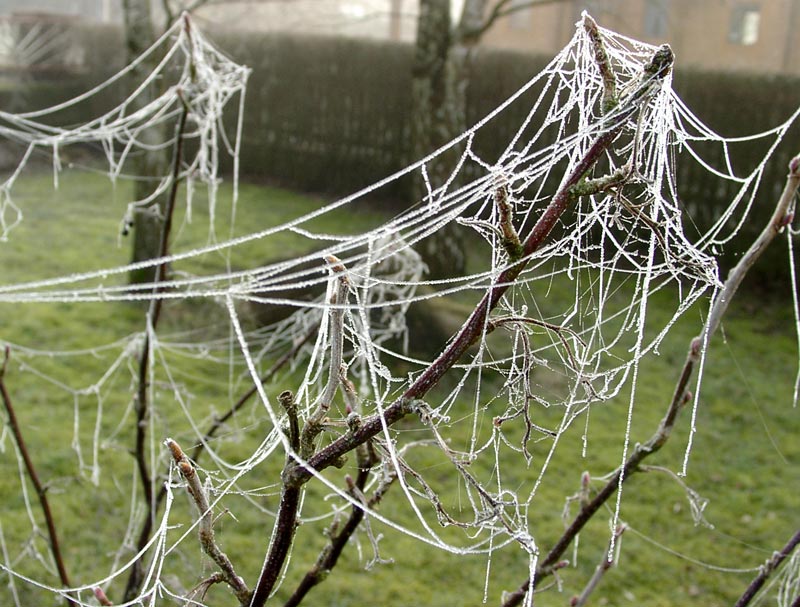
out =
column 575, row 184
column 329, row 556
column 41, row 490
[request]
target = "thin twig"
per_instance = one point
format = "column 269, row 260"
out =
column 41, row 490
column 206, row 525
column 101, row 597
column 141, row 400
column 505, row 214
column 681, row 396
column 766, row 570
column 504, row 8
column 603, row 64
column 340, row 290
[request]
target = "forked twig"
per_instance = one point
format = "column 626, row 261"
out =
column 41, row 490
column 286, row 522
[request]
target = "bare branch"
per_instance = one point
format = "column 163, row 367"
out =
column 783, row 214
column 41, row 490
column 603, row 64
column 141, row 407
column 504, row 8
column 605, row 564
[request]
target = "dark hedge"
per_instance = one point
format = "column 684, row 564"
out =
column 332, row 115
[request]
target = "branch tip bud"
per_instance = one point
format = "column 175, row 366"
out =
column 175, row 449
column 794, row 166
column 695, row 348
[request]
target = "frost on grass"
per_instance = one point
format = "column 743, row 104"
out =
column 567, row 337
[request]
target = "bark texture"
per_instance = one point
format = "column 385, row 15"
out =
column 149, row 166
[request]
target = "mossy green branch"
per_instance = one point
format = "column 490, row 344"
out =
column 509, row 238
column 589, row 187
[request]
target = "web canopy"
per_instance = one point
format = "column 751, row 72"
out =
column 566, row 337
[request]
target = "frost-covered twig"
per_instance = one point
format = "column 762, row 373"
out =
column 767, row 569
column 505, row 212
column 781, row 217
column 603, row 64
column 340, row 289
column 41, row 490
column 206, row 525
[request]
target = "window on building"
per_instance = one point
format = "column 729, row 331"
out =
column 656, row 18
column 744, row 25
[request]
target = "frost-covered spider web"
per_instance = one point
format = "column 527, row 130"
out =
column 567, row 336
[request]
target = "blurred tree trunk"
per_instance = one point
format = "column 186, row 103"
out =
column 439, row 89
column 445, row 49
column 151, row 165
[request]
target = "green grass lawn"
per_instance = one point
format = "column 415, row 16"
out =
column 745, row 460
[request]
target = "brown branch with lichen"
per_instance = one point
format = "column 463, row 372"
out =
column 783, row 214
column 603, row 63
column 208, row 541
column 41, row 490
column 505, row 214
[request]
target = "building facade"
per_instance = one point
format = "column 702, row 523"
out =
column 727, row 35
